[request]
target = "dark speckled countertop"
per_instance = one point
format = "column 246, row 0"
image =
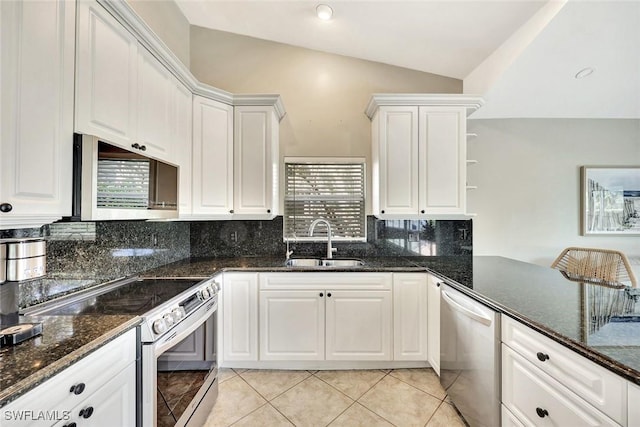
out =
column 65, row 340
column 537, row 296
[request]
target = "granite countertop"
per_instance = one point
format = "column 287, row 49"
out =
column 537, row 296
column 64, row 341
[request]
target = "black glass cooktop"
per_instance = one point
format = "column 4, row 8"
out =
column 135, row 298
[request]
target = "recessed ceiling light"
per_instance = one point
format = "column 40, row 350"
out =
column 585, row 72
column 324, row 12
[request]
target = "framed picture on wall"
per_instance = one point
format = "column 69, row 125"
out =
column 610, row 200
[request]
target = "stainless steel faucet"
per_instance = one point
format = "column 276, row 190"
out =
column 330, row 249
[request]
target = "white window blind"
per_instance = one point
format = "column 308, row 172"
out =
column 123, row 183
column 333, row 190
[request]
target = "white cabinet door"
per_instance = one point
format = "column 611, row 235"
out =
column 113, row 405
column 442, row 157
column 292, row 325
column 181, row 131
column 433, row 322
column 410, row 314
column 593, row 383
column 256, row 162
column 537, row 399
column 156, row 107
column 212, row 165
column 37, row 111
column 358, row 325
column 395, row 161
column 633, row 396
column 106, row 76
column 239, row 309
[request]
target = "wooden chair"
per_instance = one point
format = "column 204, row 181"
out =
column 600, row 266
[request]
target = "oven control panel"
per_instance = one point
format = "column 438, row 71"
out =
column 173, row 312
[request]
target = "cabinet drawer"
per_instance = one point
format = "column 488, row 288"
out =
column 537, row 399
column 508, row 419
column 93, row 371
column 335, row 281
column 601, row 388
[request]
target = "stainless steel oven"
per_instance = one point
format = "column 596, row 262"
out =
column 179, row 370
column 176, row 386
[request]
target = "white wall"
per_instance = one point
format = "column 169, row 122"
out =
column 324, row 94
column 165, row 18
column 528, row 200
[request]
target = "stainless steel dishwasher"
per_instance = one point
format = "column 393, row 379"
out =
column 470, row 357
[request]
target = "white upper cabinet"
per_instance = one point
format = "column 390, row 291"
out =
column 212, row 167
column 235, row 161
column 256, row 160
column 395, row 161
column 156, row 106
column 442, row 155
column 37, row 41
column 181, row 132
column 419, row 155
column 106, row 77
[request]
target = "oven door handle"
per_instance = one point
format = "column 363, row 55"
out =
column 186, row 327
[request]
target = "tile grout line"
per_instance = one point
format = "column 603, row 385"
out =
column 419, row 389
column 386, row 374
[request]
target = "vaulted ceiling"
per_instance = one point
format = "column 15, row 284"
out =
column 521, row 55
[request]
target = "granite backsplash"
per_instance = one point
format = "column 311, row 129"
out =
column 384, row 238
column 81, row 254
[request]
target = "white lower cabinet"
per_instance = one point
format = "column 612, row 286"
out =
column 410, row 316
column 535, row 398
column 600, row 388
column 325, row 316
column 114, row 404
column 633, row 405
column 98, row 390
column 433, row 322
column 292, row 325
column 508, row 419
column 358, row 325
column 239, row 314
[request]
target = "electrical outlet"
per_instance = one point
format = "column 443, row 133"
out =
column 233, row 236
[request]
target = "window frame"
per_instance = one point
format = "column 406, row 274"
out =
column 319, row 233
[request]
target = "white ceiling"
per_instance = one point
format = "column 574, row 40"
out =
column 454, row 37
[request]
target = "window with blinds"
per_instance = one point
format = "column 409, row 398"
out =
column 123, row 183
column 334, row 190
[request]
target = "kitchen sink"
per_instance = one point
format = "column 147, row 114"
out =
column 317, row 262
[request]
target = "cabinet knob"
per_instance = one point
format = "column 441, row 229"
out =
column 542, row 412
column 143, row 147
column 77, row 388
column 6, row 207
column 230, row 210
column 321, row 294
column 87, row 412
column 422, row 211
column 382, row 211
column 542, row 356
column 268, row 210
column 438, row 284
column 329, row 294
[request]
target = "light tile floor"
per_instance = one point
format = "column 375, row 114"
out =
column 399, row 397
